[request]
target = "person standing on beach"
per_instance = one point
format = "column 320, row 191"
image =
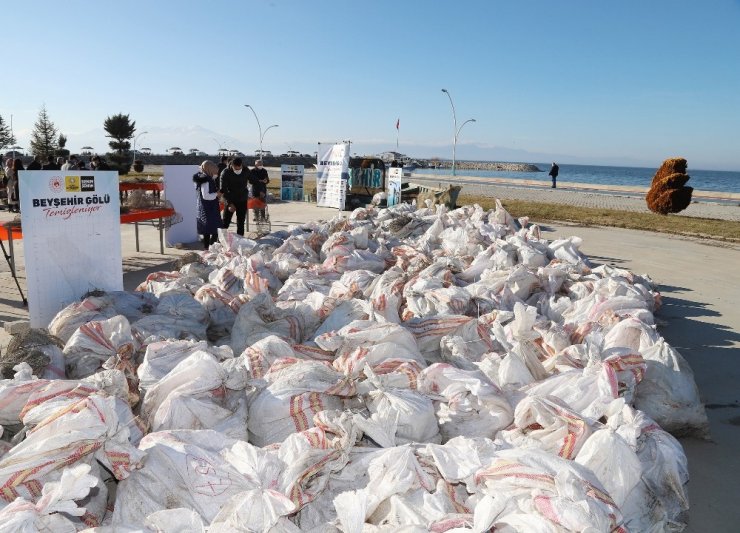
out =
column 208, row 220
column 259, row 180
column 554, row 173
column 234, row 181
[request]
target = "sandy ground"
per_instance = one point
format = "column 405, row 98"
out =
column 700, row 283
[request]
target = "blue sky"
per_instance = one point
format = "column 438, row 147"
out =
column 580, row 81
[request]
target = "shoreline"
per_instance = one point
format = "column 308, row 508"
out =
column 477, row 181
column 544, row 183
column 540, row 183
column 603, row 197
column 705, row 204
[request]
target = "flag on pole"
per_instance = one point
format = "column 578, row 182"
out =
column 398, row 123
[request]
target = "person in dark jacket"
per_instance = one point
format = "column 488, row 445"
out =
column 98, row 163
column 208, row 220
column 259, row 180
column 223, row 165
column 51, row 164
column 554, row 169
column 234, row 181
column 35, row 164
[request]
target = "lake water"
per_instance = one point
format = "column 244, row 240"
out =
column 703, row 180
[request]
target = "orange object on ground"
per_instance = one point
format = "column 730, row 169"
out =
column 139, row 215
column 256, row 203
column 6, row 231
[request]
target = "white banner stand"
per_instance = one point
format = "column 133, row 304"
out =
column 331, row 175
column 71, row 222
column 180, row 190
column 395, row 178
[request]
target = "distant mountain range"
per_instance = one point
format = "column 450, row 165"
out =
column 160, row 139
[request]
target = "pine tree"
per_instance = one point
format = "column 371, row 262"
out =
column 120, row 128
column 6, row 136
column 44, row 136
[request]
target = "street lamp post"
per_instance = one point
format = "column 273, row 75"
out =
column 461, row 127
column 135, row 139
column 455, row 130
column 263, row 136
column 220, row 149
column 259, row 126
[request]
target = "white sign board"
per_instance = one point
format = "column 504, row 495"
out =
column 395, row 177
column 291, row 184
column 71, row 222
column 331, row 175
column 180, row 190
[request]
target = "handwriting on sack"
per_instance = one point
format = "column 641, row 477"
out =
column 205, row 478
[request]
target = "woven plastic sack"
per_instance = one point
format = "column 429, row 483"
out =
column 69, row 319
column 161, row 357
column 183, row 469
column 295, row 394
column 86, row 429
column 95, row 342
column 547, row 424
column 469, row 404
column 56, row 503
column 668, row 393
column 193, row 396
column 554, row 491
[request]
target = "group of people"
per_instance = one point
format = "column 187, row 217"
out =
column 228, row 183
column 14, row 165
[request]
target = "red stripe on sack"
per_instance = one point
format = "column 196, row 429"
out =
column 544, row 506
column 90, row 520
column 300, row 421
column 314, row 402
column 256, row 358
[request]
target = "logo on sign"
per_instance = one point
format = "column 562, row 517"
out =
column 72, row 183
column 55, row 184
column 87, row 183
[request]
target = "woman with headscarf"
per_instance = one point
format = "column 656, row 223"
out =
column 209, row 218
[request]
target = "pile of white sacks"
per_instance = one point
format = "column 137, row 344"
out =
column 399, row 370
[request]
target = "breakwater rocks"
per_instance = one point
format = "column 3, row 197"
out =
column 487, row 165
